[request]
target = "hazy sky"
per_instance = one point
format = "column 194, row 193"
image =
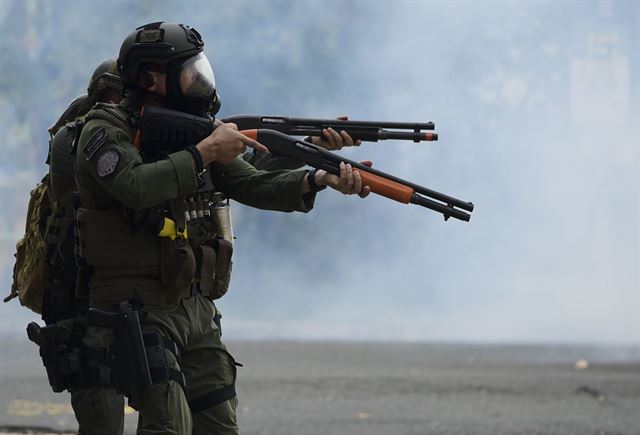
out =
column 536, row 104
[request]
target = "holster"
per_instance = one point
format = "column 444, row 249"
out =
column 62, row 357
column 138, row 359
column 127, row 356
column 47, row 339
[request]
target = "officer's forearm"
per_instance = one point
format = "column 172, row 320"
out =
column 268, row 190
column 269, row 162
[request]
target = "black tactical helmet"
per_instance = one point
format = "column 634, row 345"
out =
column 105, row 77
column 177, row 50
column 157, row 44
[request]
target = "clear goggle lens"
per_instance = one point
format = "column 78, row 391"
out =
column 196, row 78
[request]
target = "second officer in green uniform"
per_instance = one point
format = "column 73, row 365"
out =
column 103, row 412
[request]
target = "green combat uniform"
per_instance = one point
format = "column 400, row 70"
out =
column 268, row 162
column 60, row 301
column 176, row 278
column 103, row 412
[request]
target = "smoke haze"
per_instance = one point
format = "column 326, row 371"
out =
column 536, row 105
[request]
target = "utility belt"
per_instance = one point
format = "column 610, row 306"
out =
column 134, row 362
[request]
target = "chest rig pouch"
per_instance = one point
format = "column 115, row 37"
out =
column 178, row 263
column 211, row 236
column 193, row 252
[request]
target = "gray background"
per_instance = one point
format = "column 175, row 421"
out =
column 536, row 104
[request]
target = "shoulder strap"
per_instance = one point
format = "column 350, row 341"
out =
column 108, row 112
column 79, row 125
column 113, row 113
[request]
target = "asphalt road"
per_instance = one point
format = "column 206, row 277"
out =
column 290, row 388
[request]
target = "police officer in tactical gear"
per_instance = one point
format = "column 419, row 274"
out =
column 105, row 413
column 146, row 234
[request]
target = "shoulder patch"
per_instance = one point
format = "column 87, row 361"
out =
column 107, row 163
column 98, row 139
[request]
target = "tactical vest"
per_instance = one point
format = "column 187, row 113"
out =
column 60, row 301
column 163, row 254
column 59, row 230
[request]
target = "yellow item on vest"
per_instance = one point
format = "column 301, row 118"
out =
column 169, row 230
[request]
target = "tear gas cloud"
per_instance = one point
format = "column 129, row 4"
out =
column 536, row 105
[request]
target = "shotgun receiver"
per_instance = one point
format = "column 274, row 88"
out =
column 163, row 131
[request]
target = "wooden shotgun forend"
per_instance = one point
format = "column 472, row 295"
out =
column 387, row 188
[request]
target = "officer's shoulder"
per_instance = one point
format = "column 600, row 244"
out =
column 65, row 135
column 99, row 130
column 100, row 127
column 107, row 118
column 114, row 114
column 69, row 127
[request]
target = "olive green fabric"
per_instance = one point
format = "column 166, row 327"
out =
column 126, row 256
column 133, row 184
column 268, row 190
column 61, row 162
column 99, row 411
column 205, row 362
column 59, row 233
column 269, row 162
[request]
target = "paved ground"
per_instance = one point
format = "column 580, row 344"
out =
column 387, row 389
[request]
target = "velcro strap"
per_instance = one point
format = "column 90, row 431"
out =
column 205, row 268
column 97, row 376
column 178, row 377
column 56, row 228
column 213, row 398
column 153, row 338
column 159, row 375
column 171, row 346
